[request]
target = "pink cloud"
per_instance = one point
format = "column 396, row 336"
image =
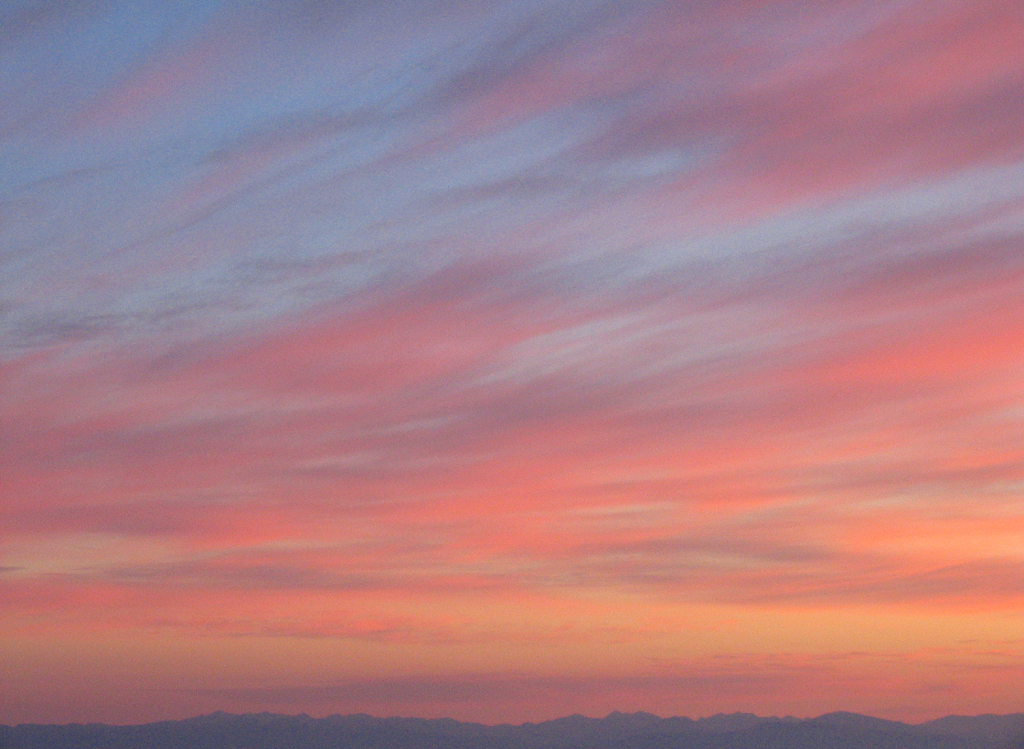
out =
column 577, row 339
column 170, row 80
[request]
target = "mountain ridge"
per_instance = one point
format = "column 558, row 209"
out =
column 617, row 730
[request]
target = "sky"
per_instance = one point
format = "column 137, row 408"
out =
column 504, row 360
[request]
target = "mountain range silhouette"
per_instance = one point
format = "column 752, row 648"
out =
column 838, row 730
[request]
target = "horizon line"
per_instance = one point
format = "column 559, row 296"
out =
column 787, row 718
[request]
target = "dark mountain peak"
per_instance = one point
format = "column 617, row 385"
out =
column 214, row 717
column 618, row 730
column 843, row 718
column 569, row 720
column 988, row 727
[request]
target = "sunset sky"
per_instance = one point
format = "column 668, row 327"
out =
column 509, row 359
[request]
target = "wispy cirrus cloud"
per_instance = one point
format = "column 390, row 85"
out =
column 512, row 309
